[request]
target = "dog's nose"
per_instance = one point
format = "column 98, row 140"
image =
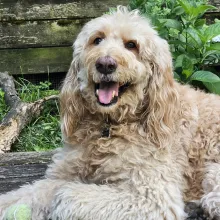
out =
column 106, row 65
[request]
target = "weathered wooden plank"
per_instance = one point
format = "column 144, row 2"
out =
column 44, row 33
column 35, row 60
column 39, row 33
column 17, row 169
column 215, row 3
column 54, row 9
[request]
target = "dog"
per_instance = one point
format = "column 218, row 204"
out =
column 137, row 144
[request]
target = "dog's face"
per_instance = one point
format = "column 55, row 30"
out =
column 116, row 56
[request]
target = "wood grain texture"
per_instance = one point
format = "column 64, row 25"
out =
column 35, row 60
column 39, row 33
column 11, row 10
column 17, row 169
column 215, row 3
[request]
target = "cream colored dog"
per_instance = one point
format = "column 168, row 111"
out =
column 137, row 144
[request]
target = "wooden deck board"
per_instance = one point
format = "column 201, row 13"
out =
column 17, row 169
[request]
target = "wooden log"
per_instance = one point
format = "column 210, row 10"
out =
column 39, row 33
column 20, row 114
column 7, row 85
column 36, row 60
column 18, row 118
column 11, row 10
column 17, row 169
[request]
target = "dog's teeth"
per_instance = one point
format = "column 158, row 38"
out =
column 97, row 92
column 113, row 94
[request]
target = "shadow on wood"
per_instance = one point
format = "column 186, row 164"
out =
column 17, row 169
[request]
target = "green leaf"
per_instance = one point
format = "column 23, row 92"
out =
column 179, row 61
column 208, row 53
column 212, row 31
column 178, row 10
column 194, row 36
column 205, row 76
column 185, row 5
column 201, row 9
column 187, row 66
column 180, row 58
column 171, row 23
column 214, row 46
column 176, row 42
column 200, row 22
column 213, row 87
column 177, row 77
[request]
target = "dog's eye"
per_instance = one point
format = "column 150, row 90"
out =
column 97, row 40
column 130, row 45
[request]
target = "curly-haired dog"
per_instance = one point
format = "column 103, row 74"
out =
column 137, row 143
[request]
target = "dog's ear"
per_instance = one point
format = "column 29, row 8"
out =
column 71, row 103
column 161, row 95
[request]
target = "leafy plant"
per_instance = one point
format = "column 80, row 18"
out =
column 29, row 92
column 44, row 132
column 3, row 107
column 181, row 23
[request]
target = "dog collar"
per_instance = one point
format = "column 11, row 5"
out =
column 106, row 128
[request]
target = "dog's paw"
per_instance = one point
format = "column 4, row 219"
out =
column 196, row 212
column 211, row 203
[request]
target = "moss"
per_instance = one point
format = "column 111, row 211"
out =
column 37, row 60
column 64, row 22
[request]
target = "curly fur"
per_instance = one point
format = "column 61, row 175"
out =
column 165, row 137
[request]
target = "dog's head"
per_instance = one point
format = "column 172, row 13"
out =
column 119, row 60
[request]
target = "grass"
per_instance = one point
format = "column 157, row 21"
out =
column 3, row 107
column 43, row 133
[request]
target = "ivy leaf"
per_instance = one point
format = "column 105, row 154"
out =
column 205, row 76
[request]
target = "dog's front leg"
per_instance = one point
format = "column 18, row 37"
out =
column 37, row 196
column 97, row 202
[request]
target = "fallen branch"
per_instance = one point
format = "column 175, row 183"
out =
column 20, row 114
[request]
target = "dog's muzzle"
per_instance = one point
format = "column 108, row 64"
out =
column 106, row 65
column 108, row 90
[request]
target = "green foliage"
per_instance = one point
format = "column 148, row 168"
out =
column 29, row 92
column 3, row 107
column 44, row 132
column 180, row 22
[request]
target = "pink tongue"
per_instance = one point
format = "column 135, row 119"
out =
column 106, row 90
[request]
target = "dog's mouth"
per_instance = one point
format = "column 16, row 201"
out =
column 108, row 93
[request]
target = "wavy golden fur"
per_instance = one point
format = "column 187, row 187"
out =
column 164, row 143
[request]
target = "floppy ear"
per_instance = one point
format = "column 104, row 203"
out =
column 72, row 109
column 161, row 96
